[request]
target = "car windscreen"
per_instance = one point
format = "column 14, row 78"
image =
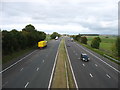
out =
column 85, row 56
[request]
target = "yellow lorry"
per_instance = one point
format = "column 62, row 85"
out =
column 42, row 44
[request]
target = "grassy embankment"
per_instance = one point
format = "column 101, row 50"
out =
column 14, row 55
column 106, row 46
column 60, row 76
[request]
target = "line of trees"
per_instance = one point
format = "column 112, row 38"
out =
column 83, row 39
column 80, row 38
column 17, row 40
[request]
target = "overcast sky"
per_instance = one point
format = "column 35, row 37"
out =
column 62, row 16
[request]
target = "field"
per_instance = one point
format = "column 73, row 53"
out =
column 107, row 43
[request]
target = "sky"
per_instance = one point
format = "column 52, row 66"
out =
column 62, row 16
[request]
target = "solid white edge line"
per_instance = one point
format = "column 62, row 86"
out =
column 17, row 62
column 71, row 68
column 100, row 59
column 66, row 75
column 50, row 81
column 26, row 84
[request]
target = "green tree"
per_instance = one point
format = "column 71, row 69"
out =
column 54, row 35
column 29, row 28
column 77, row 37
column 96, row 42
column 14, row 40
column 83, row 40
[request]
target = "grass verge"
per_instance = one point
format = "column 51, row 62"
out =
column 14, row 55
column 60, row 77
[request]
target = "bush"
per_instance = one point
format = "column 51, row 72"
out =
column 95, row 42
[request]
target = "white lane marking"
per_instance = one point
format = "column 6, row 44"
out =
column 26, row 84
column 37, row 69
column 53, row 69
column 83, row 65
column 76, row 54
column 100, row 59
column 17, row 62
column 78, row 58
column 71, row 68
column 5, row 84
column 73, row 51
column 96, row 65
column 66, row 75
column 21, row 69
column 43, row 61
column 91, row 75
column 108, row 76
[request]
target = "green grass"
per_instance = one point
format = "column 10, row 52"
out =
column 14, row 55
column 60, row 79
column 107, row 43
column 106, row 46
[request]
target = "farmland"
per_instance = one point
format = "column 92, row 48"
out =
column 107, row 45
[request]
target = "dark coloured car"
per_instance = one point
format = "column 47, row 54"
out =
column 84, row 57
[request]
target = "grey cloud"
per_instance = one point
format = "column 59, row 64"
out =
column 62, row 13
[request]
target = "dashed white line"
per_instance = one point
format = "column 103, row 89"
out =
column 78, row 58
column 76, row 54
column 100, row 59
column 83, row 65
column 96, row 65
column 91, row 75
column 21, row 69
column 37, row 69
column 26, row 84
column 43, row 61
column 108, row 76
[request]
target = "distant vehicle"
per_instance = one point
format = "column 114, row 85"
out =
column 71, row 39
column 42, row 44
column 68, row 45
column 84, row 57
column 56, row 38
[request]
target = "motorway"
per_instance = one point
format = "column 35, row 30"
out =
column 34, row 70
column 99, row 72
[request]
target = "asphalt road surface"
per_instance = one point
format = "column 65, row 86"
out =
column 34, row 70
column 99, row 72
